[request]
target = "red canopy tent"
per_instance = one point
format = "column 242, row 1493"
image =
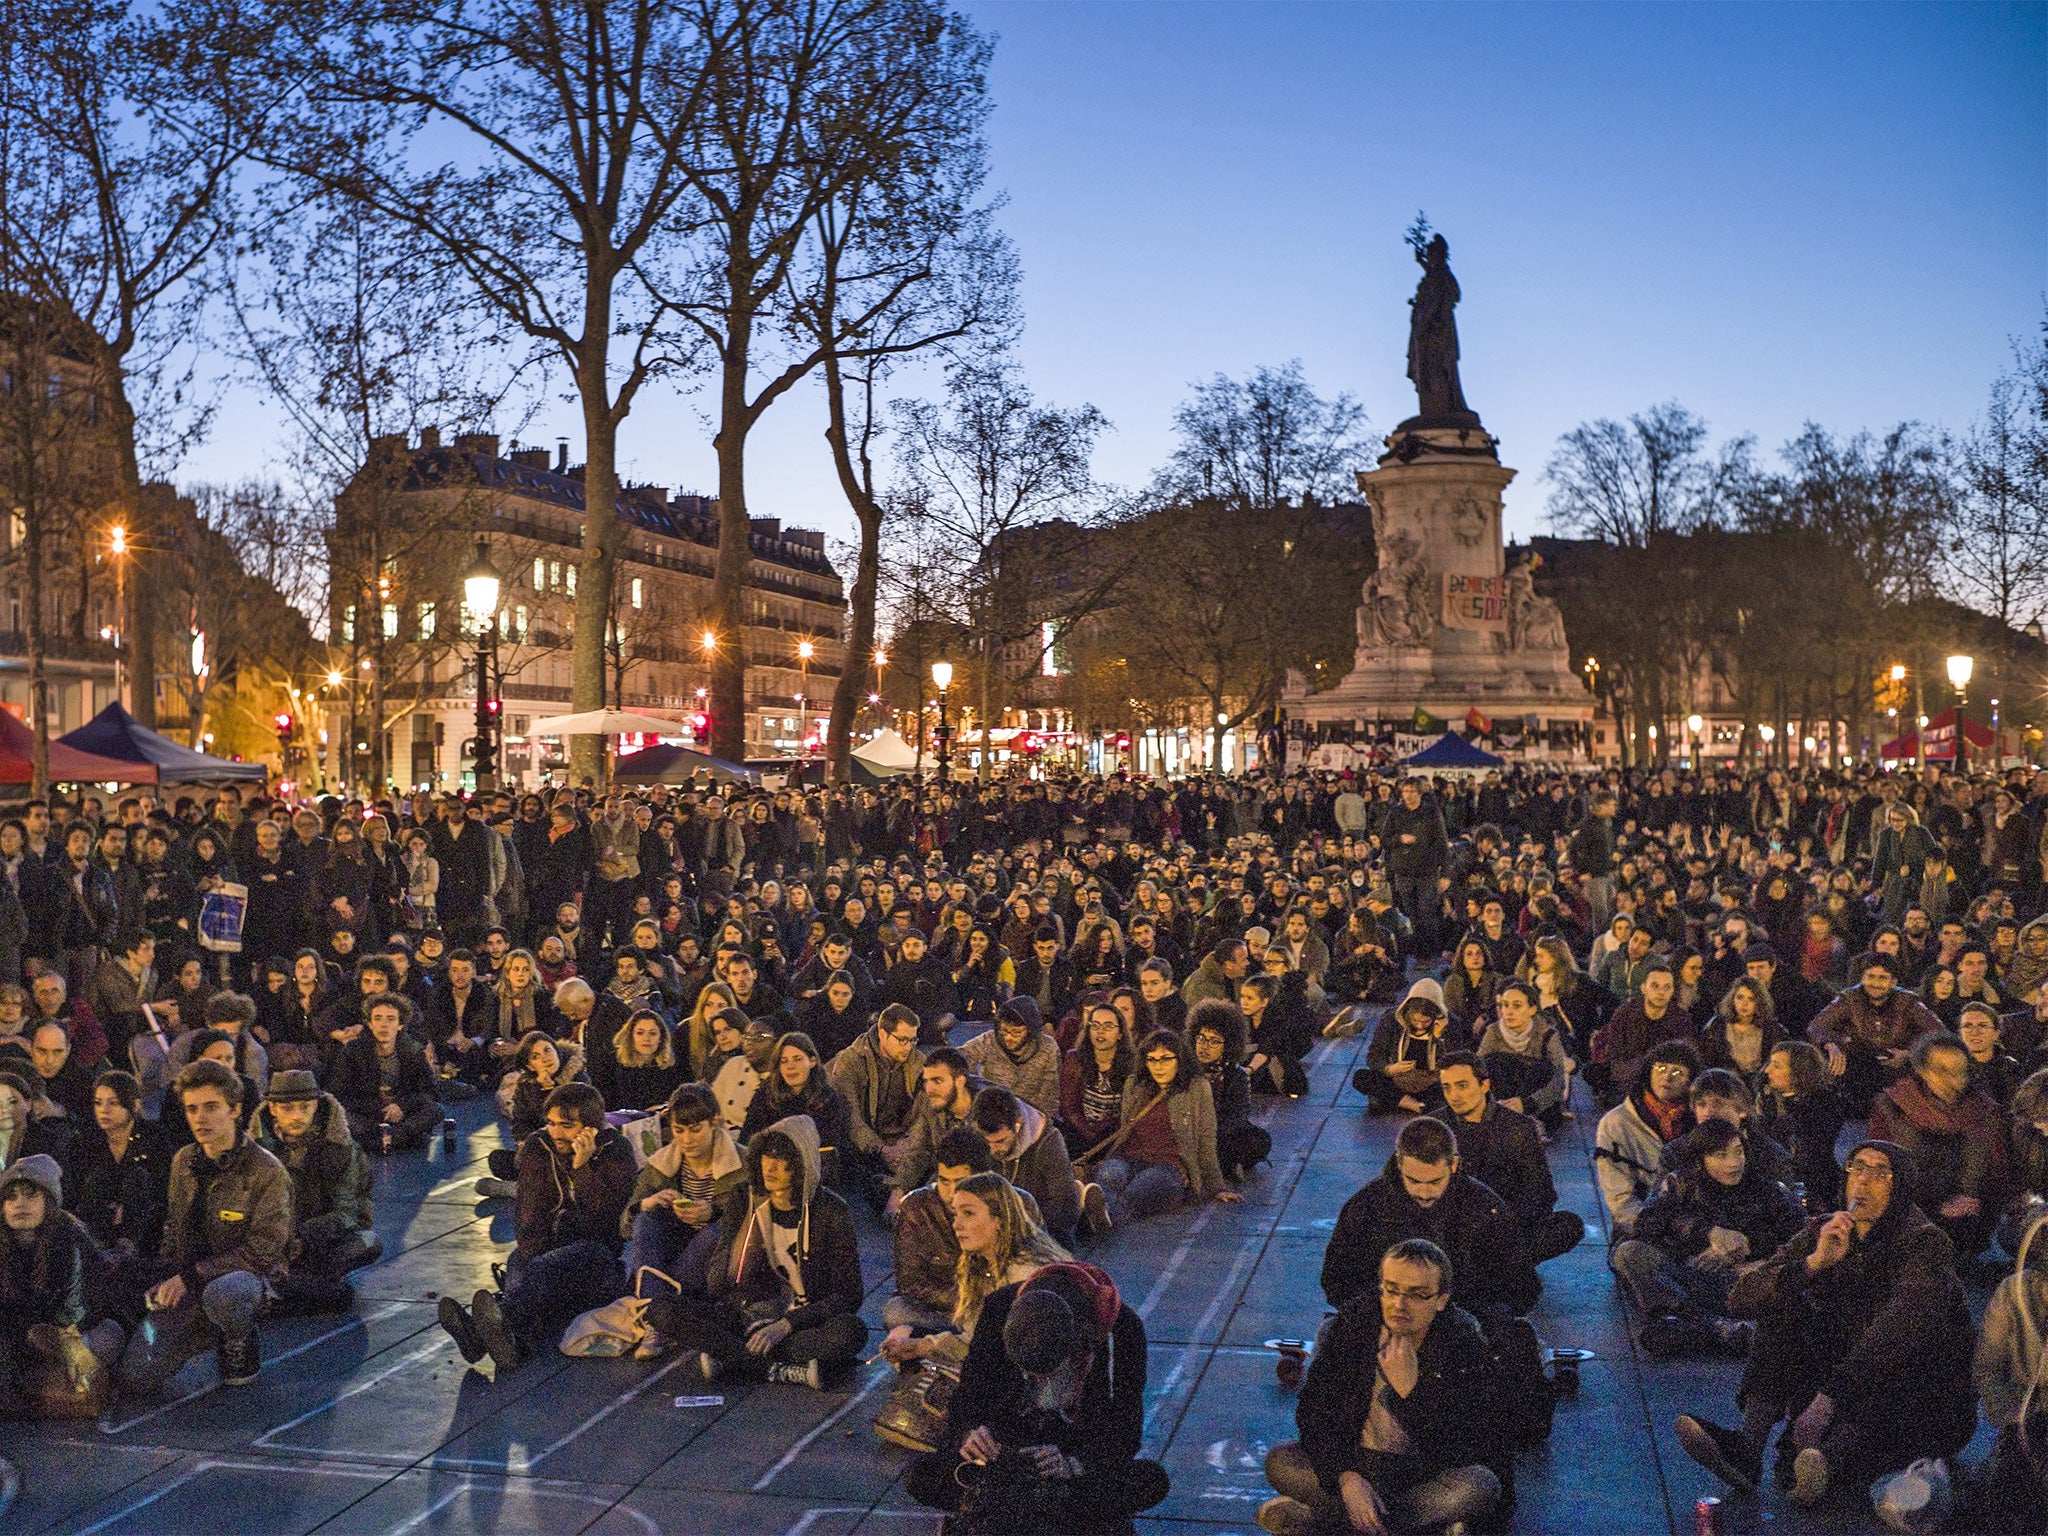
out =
column 1941, row 739
column 68, row 765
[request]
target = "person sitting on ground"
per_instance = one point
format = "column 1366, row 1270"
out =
column 949, row 1089
column 1400, row 1423
column 1092, row 1077
column 1000, row 1242
column 1168, row 1148
column 1863, row 1345
column 1718, row 1094
column 1979, row 1028
column 748, row 1048
column 1526, row 1056
column 1798, row 1110
column 2007, row 1371
column 1716, row 1211
column 332, row 1216
column 1020, row 1054
column 1955, row 1135
column 1629, row 1143
column 522, row 1097
column 1741, row 1036
column 1279, row 1029
column 575, row 1175
column 1868, row 1033
column 66, row 1083
column 1030, row 1154
column 638, row 1067
column 123, row 1177
column 1217, row 1033
column 46, row 1367
column 1423, row 1192
column 234, row 1015
column 786, row 1285
column 684, row 1191
column 1400, row 1071
column 30, row 1123
column 1503, row 1150
column 1050, row 1408
column 927, row 1250
column 798, row 1086
column 227, row 1232
column 1649, row 1019
column 383, row 1080
column 880, row 1076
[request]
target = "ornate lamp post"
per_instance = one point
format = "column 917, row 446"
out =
column 480, row 597
column 942, row 676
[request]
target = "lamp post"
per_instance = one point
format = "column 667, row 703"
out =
column 804, row 652
column 1960, row 669
column 480, row 597
column 1694, row 725
column 942, row 676
column 117, row 543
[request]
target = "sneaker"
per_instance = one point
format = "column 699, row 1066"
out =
column 239, row 1359
column 1286, row 1517
column 1726, row 1453
column 653, row 1345
column 456, row 1323
column 488, row 1321
column 707, row 1367
column 805, row 1375
column 1665, row 1336
column 1094, row 1210
column 1809, row 1478
column 488, row 1188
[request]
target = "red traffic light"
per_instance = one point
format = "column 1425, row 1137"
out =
column 699, row 722
column 492, row 706
column 284, row 724
column 1123, row 741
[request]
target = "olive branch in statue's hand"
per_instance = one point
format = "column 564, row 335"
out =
column 1418, row 235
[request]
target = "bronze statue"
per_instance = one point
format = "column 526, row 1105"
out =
column 1433, row 341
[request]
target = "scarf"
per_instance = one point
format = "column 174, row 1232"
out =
column 515, row 1014
column 1667, row 1120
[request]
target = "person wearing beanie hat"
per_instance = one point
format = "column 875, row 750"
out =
column 45, row 1365
column 1050, row 1410
column 1863, row 1344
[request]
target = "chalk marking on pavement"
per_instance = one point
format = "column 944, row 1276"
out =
column 804, row 1444
column 525, row 1490
column 1248, row 1254
column 390, row 1309
column 1174, row 1260
column 811, row 1517
column 269, row 1436
column 214, row 1464
column 528, row 1463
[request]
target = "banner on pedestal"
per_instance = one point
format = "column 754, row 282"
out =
column 1477, row 603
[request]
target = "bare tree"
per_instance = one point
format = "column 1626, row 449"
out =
column 138, row 122
column 1996, row 550
column 1264, row 442
column 542, row 151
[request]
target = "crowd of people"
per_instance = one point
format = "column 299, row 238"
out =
column 723, row 1027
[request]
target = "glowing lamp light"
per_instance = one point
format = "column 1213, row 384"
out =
column 480, row 585
column 118, row 541
column 1694, row 723
column 710, row 641
column 881, row 658
column 1811, row 744
column 1959, row 670
column 1768, row 732
column 1898, row 672
column 805, row 650
column 942, row 674
column 333, row 679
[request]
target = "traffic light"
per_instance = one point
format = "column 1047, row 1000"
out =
column 284, row 725
column 1123, row 741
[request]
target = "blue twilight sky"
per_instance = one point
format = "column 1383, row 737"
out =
column 1770, row 212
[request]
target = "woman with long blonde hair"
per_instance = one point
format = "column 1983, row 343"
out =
column 697, row 1034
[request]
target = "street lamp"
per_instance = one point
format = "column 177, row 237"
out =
column 804, row 652
column 942, row 676
column 480, row 585
column 1959, row 670
column 1694, row 724
column 117, row 543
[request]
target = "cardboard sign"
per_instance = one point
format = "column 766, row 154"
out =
column 1478, row 603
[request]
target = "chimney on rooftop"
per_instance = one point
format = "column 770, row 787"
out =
column 485, row 443
column 430, row 437
column 561, row 455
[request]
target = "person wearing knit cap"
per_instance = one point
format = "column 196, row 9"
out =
column 45, row 1365
column 1050, row 1410
column 1863, row 1344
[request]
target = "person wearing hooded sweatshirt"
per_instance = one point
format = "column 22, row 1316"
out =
column 1716, row 1211
column 1020, row 1054
column 1050, row 1407
column 786, row 1282
column 575, row 1176
column 1400, row 1071
column 44, row 1256
column 1863, row 1344
column 687, row 1188
column 1955, row 1134
column 1031, row 1154
column 308, row 1131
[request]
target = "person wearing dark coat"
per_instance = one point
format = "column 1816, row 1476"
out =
column 462, row 848
column 1956, row 1136
column 1863, row 1344
column 1281, row 1028
column 1716, row 1211
column 921, row 983
column 1424, row 1193
column 638, row 1067
column 1503, row 1150
column 45, row 1255
column 796, row 1084
column 1400, row 1414
column 122, row 1197
column 1797, row 1108
column 1051, row 1397
column 1216, row 1031
column 383, row 1080
column 308, row 1131
column 785, row 1282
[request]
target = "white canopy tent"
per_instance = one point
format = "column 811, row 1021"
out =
column 605, row 722
column 887, row 755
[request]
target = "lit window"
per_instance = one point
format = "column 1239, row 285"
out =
column 519, row 620
column 348, row 623
column 554, row 575
column 391, row 621
column 540, row 574
column 639, row 593
column 427, row 620
column 569, row 573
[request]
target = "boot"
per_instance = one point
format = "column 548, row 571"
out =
column 239, row 1359
column 456, row 1322
column 805, row 1375
column 491, row 1330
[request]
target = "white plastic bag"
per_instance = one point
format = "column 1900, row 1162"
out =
column 1916, row 1500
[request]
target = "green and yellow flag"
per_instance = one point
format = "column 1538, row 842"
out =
column 1426, row 724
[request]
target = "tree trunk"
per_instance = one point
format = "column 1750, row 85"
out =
column 735, row 546
column 145, row 549
column 38, row 677
column 859, row 654
column 600, row 528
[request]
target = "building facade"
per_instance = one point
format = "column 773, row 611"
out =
column 412, row 523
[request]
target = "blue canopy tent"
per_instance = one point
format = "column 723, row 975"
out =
column 113, row 732
column 665, row 763
column 1451, row 753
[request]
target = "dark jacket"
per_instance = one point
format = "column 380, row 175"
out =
column 1490, row 1263
column 1453, row 1414
column 1691, row 1204
column 330, row 1175
column 827, row 1250
column 560, row 1204
column 1957, row 1149
column 122, row 1204
column 356, row 1081
column 1504, row 1152
column 1425, row 856
column 45, row 1283
column 859, row 1072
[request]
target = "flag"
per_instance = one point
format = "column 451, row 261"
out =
column 1476, row 720
column 1426, row 724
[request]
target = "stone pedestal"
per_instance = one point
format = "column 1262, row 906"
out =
column 1443, row 623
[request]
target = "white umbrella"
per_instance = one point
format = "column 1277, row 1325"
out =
column 605, row 722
